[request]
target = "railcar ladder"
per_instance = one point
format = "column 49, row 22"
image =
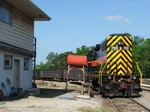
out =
column 84, row 84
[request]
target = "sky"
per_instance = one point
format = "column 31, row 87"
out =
column 87, row 22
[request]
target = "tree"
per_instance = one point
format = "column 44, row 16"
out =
column 55, row 60
column 61, row 60
column 51, row 60
column 146, row 57
column 83, row 50
column 41, row 66
column 127, row 34
column 141, row 53
column 137, row 48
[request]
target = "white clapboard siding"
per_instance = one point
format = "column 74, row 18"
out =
column 20, row 33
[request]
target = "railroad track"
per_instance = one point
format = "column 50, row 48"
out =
column 144, row 100
column 140, row 105
column 126, row 105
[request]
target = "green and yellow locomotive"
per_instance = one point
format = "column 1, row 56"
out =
column 111, row 68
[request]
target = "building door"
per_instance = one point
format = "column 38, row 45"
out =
column 16, row 73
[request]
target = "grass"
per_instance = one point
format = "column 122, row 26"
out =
column 97, row 109
column 33, row 106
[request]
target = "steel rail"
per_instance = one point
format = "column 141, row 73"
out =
column 112, row 104
column 139, row 104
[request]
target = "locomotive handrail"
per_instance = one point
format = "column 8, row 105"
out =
column 139, row 70
column 100, row 72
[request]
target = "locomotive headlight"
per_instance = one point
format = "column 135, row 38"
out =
column 120, row 43
column 109, row 77
column 134, row 77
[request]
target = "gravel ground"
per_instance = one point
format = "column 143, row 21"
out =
column 53, row 98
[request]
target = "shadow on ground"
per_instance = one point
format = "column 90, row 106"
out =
column 51, row 93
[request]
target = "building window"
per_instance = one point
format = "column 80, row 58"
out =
column 26, row 63
column 5, row 12
column 7, row 62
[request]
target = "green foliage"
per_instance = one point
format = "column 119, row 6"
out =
column 83, row 50
column 41, row 66
column 52, row 60
column 55, row 60
column 141, row 53
column 145, row 57
column 127, row 34
column 137, row 48
column 96, row 109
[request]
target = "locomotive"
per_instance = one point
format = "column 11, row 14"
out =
column 110, row 67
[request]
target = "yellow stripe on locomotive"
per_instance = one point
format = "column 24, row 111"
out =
column 119, row 54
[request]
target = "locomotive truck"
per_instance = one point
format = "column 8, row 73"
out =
column 110, row 67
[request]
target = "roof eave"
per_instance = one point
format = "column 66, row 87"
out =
column 45, row 16
column 30, row 9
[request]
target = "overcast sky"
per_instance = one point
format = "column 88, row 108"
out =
column 88, row 22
